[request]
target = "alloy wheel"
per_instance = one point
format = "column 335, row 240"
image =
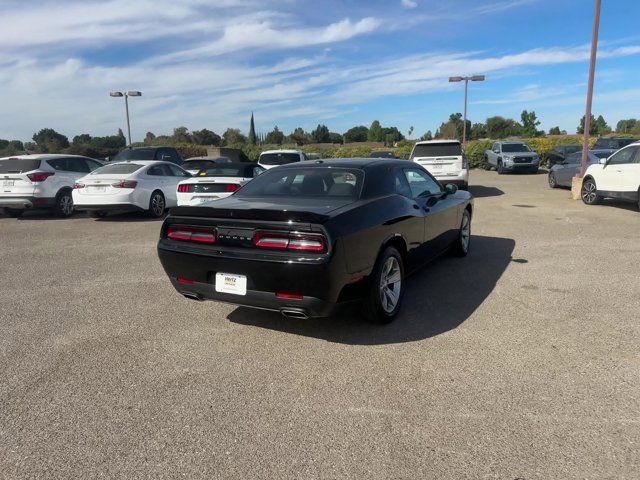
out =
column 65, row 204
column 589, row 193
column 390, row 285
column 465, row 232
column 157, row 205
column 552, row 180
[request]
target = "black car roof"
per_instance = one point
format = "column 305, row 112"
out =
column 346, row 163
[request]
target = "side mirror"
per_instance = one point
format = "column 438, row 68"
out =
column 406, row 156
column 450, row 188
column 603, row 161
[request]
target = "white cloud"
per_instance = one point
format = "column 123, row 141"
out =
column 408, row 4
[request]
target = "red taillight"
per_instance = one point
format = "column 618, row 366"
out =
column 185, row 281
column 125, row 184
column 191, row 234
column 465, row 162
column 78, row 185
column 290, row 241
column 186, row 188
column 39, row 176
column 289, row 296
column 232, row 187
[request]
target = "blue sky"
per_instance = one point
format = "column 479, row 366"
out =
column 208, row 64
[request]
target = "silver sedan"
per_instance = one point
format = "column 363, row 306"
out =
column 561, row 173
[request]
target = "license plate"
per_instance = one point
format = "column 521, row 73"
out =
column 8, row 183
column 436, row 167
column 99, row 188
column 230, row 283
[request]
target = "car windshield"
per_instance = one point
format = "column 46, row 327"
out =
column 613, row 143
column 515, row 147
column 382, row 155
column 328, row 182
column 279, row 158
column 572, row 148
column 196, row 164
column 18, row 165
column 117, row 169
column 224, row 171
column 135, row 154
column 437, row 150
column 602, row 154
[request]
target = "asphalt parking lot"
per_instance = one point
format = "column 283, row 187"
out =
column 520, row 361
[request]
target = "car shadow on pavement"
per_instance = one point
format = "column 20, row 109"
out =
column 438, row 298
column 480, row 191
column 129, row 217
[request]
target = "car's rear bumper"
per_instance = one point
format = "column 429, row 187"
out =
column 26, row 202
column 461, row 179
column 198, row 199
column 109, row 207
column 322, row 284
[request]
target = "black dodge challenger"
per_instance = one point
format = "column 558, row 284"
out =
column 310, row 238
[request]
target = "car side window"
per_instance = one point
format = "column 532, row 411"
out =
column 177, row 171
column 257, row 171
column 77, row 165
column 574, row 158
column 156, row 171
column 421, row 184
column 91, row 164
column 59, row 164
column 401, row 185
column 624, row 156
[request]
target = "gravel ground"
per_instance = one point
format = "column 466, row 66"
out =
column 519, row 361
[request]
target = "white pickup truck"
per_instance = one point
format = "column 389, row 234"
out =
column 511, row 157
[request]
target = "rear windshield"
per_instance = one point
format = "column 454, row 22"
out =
column 572, row 148
column 279, row 158
column 306, row 182
column 18, row 165
column 224, row 171
column 437, row 150
column 196, row 164
column 515, row 147
column 602, row 154
column 613, row 143
column 135, row 154
column 382, row 155
column 119, row 169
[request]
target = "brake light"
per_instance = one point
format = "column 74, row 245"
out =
column 125, row 184
column 185, row 281
column 191, row 234
column 186, row 188
column 289, row 296
column 307, row 242
column 78, row 185
column 465, row 162
column 232, row 187
column 39, row 176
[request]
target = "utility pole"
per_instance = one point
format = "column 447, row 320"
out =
column 126, row 95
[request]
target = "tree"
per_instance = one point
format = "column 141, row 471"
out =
column 299, row 137
column 233, row 138
column 478, row 131
column 275, row 136
column 447, row 130
column 391, row 135
column 626, row 126
column 598, row 126
column 206, row 137
column 149, row 138
column 555, row 131
column 181, row 135
column 356, row 134
column 410, row 132
column 50, row 141
column 121, row 135
column 530, row 124
column 335, row 137
column 320, row 134
column 82, row 139
column 427, row 136
column 375, row 133
column 500, row 127
column 17, row 145
column 252, row 132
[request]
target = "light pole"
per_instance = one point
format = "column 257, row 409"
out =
column 126, row 95
column 592, row 71
column 474, row 78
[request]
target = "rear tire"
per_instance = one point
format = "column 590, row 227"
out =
column 64, row 204
column 98, row 213
column 383, row 301
column 553, row 183
column 13, row 213
column 157, row 205
column 589, row 194
column 460, row 247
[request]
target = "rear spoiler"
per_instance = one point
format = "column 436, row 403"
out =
column 249, row 214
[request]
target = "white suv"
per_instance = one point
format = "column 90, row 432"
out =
column 615, row 177
column 272, row 158
column 444, row 159
column 41, row 181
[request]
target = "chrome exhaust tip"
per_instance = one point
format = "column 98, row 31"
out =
column 294, row 314
column 193, row 296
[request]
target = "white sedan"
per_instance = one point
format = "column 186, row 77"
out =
column 135, row 185
column 215, row 182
